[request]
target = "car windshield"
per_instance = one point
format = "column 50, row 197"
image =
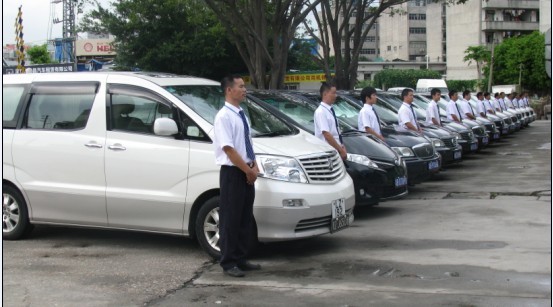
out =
column 206, row 101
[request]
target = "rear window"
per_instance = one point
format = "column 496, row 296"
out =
column 11, row 104
column 60, row 106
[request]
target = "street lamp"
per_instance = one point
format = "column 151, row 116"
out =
column 427, row 57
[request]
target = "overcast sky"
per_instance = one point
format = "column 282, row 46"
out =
column 37, row 20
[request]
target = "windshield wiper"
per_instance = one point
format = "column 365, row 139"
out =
column 269, row 134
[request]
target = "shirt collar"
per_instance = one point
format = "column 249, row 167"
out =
column 326, row 105
column 406, row 104
column 232, row 107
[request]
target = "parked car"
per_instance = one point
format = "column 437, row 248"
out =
column 418, row 152
column 377, row 171
column 134, row 151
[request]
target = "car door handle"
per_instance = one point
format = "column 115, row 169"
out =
column 93, row 145
column 117, row 146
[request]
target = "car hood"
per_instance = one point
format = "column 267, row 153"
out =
column 364, row 145
column 402, row 139
column 297, row 145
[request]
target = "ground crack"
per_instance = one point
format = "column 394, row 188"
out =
column 186, row 284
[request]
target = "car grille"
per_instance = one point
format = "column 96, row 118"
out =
column 451, row 142
column 326, row 167
column 315, row 223
column 478, row 131
column 467, row 135
column 423, row 150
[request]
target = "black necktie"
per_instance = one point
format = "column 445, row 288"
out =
column 458, row 112
column 471, row 110
column 377, row 119
column 249, row 148
column 438, row 112
column 336, row 121
column 414, row 116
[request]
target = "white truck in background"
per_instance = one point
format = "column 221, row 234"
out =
column 507, row 89
column 426, row 85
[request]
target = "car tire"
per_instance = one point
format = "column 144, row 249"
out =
column 15, row 219
column 207, row 227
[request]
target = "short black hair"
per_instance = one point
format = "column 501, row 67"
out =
column 326, row 86
column 434, row 91
column 406, row 92
column 451, row 93
column 228, row 81
column 367, row 92
column 496, row 95
column 465, row 93
column 479, row 94
column 486, row 94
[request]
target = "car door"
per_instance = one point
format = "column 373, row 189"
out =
column 146, row 174
column 58, row 153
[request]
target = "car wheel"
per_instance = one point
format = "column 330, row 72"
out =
column 15, row 220
column 207, row 227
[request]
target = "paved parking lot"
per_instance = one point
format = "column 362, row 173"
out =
column 478, row 234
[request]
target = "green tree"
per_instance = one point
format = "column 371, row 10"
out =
column 300, row 56
column 262, row 31
column 176, row 36
column 522, row 58
column 402, row 77
column 39, row 54
column 480, row 55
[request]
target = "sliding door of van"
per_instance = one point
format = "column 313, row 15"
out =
column 146, row 174
column 58, row 153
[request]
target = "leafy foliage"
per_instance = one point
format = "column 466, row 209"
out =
column 403, row 77
column 480, row 55
column 300, row 57
column 176, row 36
column 462, row 85
column 39, row 54
column 522, row 57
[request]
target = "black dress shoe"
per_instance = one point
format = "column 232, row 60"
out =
column 234, row 272
column 248, row 266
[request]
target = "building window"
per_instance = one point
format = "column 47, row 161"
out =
column 367, row 51
column 417, row 30
column 417, row 3
column 417, row 16
column 370, row 38
column 389, row 48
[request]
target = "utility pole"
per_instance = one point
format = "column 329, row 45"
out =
column 491, row 68
column 520, row 77
column 69, row 34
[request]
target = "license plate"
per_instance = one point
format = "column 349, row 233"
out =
column 340, row 219
column 433, row 165
column 485, row 140
column 473, row 146
column 457, row 155
column 496, row 136
column 401, row 181
column 506, row 130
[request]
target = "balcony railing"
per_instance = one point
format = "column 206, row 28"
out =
column 511, row 4
column 510, row 26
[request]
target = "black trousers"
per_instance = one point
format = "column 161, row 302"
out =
column 235, row 216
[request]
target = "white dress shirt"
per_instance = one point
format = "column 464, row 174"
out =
column 324, row 121
column 515, row 103
column 466, row 108
column 495, row 104
column 509, row 103
column 228, row 129
column 453, row 109
column 480, row 108
column 488, row 105
column 405, row 115
column 367, row 118
column 432, row 112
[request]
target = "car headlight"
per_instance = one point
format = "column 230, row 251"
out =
column 360, row 159
column 404, row 151
column 281, row 168
column 437, row 143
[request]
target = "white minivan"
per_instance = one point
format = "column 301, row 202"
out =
column 134, row 151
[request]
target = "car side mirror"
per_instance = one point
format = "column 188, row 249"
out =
column 165, row 127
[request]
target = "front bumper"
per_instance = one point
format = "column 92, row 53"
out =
column 418, row 169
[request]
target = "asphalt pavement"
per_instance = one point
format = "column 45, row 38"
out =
column 477, row 234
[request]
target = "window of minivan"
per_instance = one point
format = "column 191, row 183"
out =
column 11, row 98
column 206, row 101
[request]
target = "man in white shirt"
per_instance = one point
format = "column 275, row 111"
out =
column 480, row 108
column 326, row 124
column 495, row 102
column 368, row 120
column 234, row 153
column 466, row 109
column 488, row 104
column 432, row 111
column 406, row 117
column 452, row 110
column 509, row 101
column 514, row 101
column 502, row 103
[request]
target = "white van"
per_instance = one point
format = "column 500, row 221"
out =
column 134, row 151
column 426, row 85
